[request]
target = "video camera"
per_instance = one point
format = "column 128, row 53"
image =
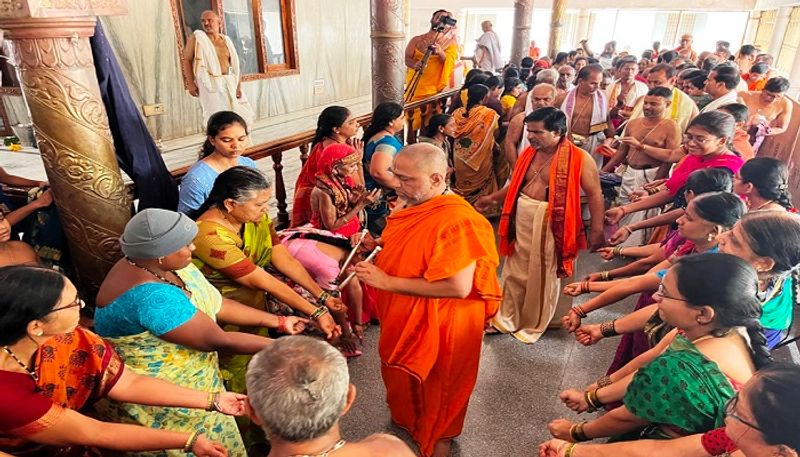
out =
column 445, row 21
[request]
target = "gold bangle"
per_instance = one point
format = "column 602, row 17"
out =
column 576, row 432
column 605, row 275
column 191, row 442
column 570, row 449
column 210, row 401
column 590, row 407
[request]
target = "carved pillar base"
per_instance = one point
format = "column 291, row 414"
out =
column 387, row 20
column 521, row 40
column 56, row 71
column 557, row 26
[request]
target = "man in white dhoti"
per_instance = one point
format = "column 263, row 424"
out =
column 646, row 143
column 212, row 60
column 487, row 51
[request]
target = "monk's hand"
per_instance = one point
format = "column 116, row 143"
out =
column 575, row 400
column 372, row 275
column 194, row 91
column 588, row 334
column 368, row 198
column 369, row 244
column 559, row 428
column 571, row 321
column 327, row 326
column 292, row 325
column 231, row 403
column 573, row 290
column 485, row 204
column 553, row 448
column 613, row 215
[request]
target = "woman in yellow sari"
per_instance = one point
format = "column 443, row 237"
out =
column 474, row 155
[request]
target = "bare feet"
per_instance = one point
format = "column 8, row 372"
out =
column 442, row 448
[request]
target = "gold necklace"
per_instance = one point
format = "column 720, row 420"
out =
column 24, row 367
column 162, row 278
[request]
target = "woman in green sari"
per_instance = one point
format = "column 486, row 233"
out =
column 681, row 386
column 161, row 315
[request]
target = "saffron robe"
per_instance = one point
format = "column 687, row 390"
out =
column 430, row 347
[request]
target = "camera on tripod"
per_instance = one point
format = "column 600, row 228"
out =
column 445, row 21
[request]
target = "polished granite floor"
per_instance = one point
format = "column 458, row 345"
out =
column 516, row 394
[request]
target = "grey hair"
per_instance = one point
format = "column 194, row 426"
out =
column 298, row 387
column 548, row 75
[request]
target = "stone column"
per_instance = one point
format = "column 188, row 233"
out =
column 751, row 27
column 56, row 72
column 387, row 21
column 794, row 77
column 584, row 19
column 779, row 31
column 557, row 26
column 521, row 40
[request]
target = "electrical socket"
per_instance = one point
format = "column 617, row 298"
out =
column 155, row 109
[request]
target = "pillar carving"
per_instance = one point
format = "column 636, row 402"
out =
column 387, row 23
column 522, row 27
column 556, row 26
column 56, row 72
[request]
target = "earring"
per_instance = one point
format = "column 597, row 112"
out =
column 39, row 333
column 160, row 260
column 711, row 236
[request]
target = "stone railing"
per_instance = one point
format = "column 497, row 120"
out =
column 302, row 142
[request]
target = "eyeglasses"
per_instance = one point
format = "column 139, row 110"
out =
column 699, row 140
column 661, row 291
column 78, row 303
column 730, row 407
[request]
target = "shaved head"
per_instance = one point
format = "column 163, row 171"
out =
column 425, row 157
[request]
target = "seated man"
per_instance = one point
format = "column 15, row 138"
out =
column 298, row 388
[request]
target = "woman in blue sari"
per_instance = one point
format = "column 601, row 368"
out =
column 381, row 146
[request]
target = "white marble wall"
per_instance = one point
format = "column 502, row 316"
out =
column 333, row 45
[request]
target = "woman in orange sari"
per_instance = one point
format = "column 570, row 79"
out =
column 473, row 151
column 50, row 369
column 335, row 125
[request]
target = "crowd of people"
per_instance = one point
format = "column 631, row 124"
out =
column 217, row 334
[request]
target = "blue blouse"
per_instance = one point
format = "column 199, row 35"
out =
column 389, row 144
column 197, row 184
column 150, row 307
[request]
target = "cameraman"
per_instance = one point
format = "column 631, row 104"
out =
column 444, row 54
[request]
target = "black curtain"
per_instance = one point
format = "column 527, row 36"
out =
column 137, row 153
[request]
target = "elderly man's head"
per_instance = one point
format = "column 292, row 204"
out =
column 543, row 95
column 420, row 173
column 547, row 76
column 298, row 388
column 210, row 21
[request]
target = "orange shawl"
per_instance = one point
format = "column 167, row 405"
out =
column 564, row 205
column 434, row 240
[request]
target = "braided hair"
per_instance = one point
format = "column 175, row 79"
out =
column 770, row 177
column 729, row 285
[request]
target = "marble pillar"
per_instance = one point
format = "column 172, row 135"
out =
column 387, row 23
column 584, row 23
column 779, row 31
column 56, row 72
column 557, row 26
column 521, row 39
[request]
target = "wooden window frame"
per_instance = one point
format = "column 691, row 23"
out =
column 266, row 70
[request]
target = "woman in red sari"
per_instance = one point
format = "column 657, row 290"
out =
column 335, row 125
column 51, row 369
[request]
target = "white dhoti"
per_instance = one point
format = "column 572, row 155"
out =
column 217, row 86
column 531, row 288
column 633, row 179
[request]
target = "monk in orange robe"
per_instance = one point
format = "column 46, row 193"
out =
column 438, row 287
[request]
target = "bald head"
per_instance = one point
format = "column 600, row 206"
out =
column 425, row 157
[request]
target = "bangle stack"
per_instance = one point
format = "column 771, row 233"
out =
column 585, row 287
column 605, row 275
column 607, row 329
column 212, row 403
column 323, row 298
column 605, row 381
column 592, row 401
column 319, row 312
column 570, row 449
column 579, row 311
column 653, row 190
column 191, row 442
column 577, row 433
column 617, row 251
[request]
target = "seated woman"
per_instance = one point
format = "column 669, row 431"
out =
column 335, row 125
column 707, row 216
column 681, row 386
column 705, row 144
column 381, row 146
column 439, row 131
column 226, row 140
column 161, row 315
column 759, row 421
column 474, row 147
column 700, row 182
column 324, row 244
column 51, row 369
column 751, row 239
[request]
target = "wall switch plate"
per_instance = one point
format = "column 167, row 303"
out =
column 319, row 86
column 156, row 109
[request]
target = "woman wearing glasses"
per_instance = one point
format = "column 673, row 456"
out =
column 680, row 387
column 705, row 145
column 760, row 421
column 50, row 369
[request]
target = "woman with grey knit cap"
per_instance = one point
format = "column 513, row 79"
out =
column 161, row 314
